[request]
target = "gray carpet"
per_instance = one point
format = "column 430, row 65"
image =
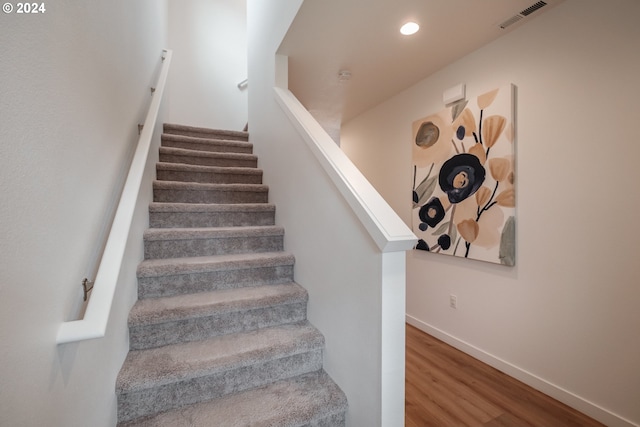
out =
column 219, row 335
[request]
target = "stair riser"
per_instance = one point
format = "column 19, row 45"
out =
column 208, row 219
column 212, row 148
column 160, row 286
column 209, row 161
column 149, row 336
column 209, row 196
column 208, row 177
column 162, row 249
column 168, row 396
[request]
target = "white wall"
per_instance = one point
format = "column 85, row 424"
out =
column 336, row 259
column 209, row 42
column 565, row 319
column 74, row 84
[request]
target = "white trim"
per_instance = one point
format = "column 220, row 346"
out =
column 385, row 227
column 94, row 323
column 392, row 357
column 565, row 396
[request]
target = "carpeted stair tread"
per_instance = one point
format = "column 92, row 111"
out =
column 164, row 378
column 160, row 310
column 200, row 132
column 154, row 234
column 200, row 153
column 175, row 276
column 211, row 208
column 308, row 400
column 207, row 158
column 183, row 215
column 163, row 267
column 144, row 369
column 197, row 186
column 156, row 322
column 217, row 144
column 184, row 167
column 184, row 172
column 195, row 192
column 189, row 242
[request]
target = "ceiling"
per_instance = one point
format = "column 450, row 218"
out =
column 363, row 36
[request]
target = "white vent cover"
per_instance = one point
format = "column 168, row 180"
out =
column 523, row 13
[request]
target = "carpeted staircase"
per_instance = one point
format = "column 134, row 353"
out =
column 219, row 335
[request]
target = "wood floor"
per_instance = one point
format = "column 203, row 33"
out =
column 445, row 387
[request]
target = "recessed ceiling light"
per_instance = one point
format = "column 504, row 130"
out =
column 409, row 28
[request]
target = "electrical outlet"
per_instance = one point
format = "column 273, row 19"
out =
column 453, row 301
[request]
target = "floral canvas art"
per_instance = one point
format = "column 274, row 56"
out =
column 463, row 179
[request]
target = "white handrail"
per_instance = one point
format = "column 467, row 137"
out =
column 386, row 228
column 94, row 323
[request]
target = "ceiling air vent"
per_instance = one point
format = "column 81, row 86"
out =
column 533, row 8
column 524, row 13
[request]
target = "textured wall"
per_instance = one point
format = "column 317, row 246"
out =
column 74, row 84
column 566, row 317
column 209, row 40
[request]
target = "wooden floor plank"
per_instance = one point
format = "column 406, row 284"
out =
column 446, row 387
column 460, row 401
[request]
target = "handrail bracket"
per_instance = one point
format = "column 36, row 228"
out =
column 87, row 286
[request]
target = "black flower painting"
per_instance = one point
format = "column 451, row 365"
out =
column 464, row 179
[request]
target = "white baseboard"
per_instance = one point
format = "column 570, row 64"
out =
column 568, row 398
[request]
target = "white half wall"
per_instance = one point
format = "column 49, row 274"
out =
column 74, row 84
column 209, row 42
column 565, row 319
